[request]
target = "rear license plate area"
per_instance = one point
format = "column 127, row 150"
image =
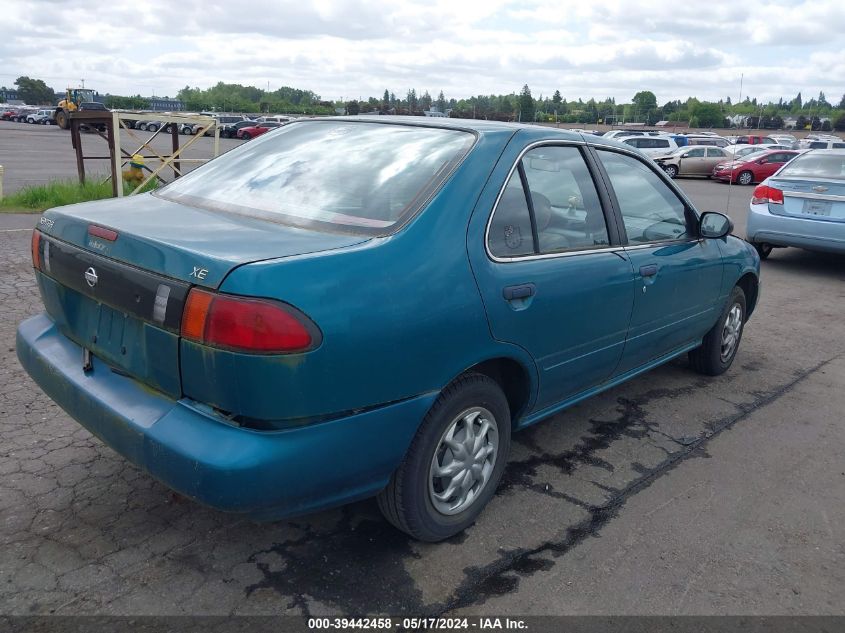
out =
column 817, row 207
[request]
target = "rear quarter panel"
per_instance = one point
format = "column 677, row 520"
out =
column 400, row 316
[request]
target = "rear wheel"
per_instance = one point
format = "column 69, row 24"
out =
column 246, row 136
column 152, row 127
column 454, row 463
column 671, row 171
column 720, row 344
column 745, row 178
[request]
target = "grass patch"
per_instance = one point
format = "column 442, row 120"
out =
column 37, row 198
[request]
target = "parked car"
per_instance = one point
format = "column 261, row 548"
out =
column 21, row 115
column 738, row 151
column 754, row 139
column 788, row 140
column 617, row 134
column 249, row 132
column 754, row 167
column 712, row 141
column 650, row 145
column 691, row 161
column 41, row 117
column 829, row 143
column 801, row 205
column 350, row 308
column 9, row 113
column 275, row 119
column 230, row 130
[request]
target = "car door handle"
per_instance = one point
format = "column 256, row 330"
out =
column 522, row 291
column 648, row 271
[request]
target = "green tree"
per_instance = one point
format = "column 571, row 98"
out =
column 645, row 103
column 526, row 104
column 34, row 91
column 441, row 102
column 385, row 99
column 839, row 121
column 797, row 103
column 556, row 98
column 707, row 114
column 425, row 101
column 352, row 108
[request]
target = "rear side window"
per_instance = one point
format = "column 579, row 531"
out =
column 698, row 152
column 358, row 177
column 565, row 211
column 818, row 145
column 650, row 210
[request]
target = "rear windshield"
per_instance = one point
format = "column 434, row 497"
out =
column 816, row 165
column 351, row 176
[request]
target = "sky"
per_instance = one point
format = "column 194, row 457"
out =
column 358, row 48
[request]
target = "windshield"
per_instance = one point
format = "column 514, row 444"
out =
column 353, row 176
column 816, row 165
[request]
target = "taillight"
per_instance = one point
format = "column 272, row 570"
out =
column 247, row 324
column 764, row 194
column 36, row 248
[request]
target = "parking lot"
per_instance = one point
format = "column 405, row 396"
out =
column 671, row 494
column 37, row 154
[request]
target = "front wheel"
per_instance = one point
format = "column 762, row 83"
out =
column 454, row 463
column 718, row 349
column 763, row 249
column 745, row 178
column 152, row 127
column 246, row 136
column 671, row 171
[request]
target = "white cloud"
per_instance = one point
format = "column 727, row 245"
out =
column 358, row 48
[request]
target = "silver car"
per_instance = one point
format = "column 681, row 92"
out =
column 802, row 204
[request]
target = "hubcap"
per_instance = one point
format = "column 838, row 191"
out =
column 731, row 331
column 745, row 178
column 464, row 461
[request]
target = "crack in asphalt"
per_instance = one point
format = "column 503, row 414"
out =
column 502, row 576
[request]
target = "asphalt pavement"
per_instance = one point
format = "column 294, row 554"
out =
column 671, row 494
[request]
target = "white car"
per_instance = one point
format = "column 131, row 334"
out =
column 822, row 143
column 651, row 145
column 740, row 151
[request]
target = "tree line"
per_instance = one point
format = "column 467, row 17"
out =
column 815, row 113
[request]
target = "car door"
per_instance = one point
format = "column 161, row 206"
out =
column 693, row 162
column 768, row 165
column 552, row 273
column 715, row 156
column 678, row 276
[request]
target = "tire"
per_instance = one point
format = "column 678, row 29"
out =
column 711, row 358
column 745, row 178
column 671, row 171
column 764, row 249
column 152, row 127
column 246, row 136
column 410, row 500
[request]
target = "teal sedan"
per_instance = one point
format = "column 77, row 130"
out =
column 372, row 306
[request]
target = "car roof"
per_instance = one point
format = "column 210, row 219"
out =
column 476, row 125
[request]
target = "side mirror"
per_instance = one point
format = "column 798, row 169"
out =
column 714, row 225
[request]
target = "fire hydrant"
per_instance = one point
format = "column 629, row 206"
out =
column 135, row 174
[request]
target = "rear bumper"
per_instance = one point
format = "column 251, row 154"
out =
column 780, row 230
column 266, row 475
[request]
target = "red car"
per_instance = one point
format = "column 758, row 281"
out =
column 754, row 167
column 247, row 133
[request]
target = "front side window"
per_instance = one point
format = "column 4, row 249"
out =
column 715, row 152
column 565, row 210
column 698, row 152
column 357, row 177
column 651, row 212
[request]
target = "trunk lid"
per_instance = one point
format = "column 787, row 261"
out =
column 183, row 242
column 811, row 198
column 122, row 299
